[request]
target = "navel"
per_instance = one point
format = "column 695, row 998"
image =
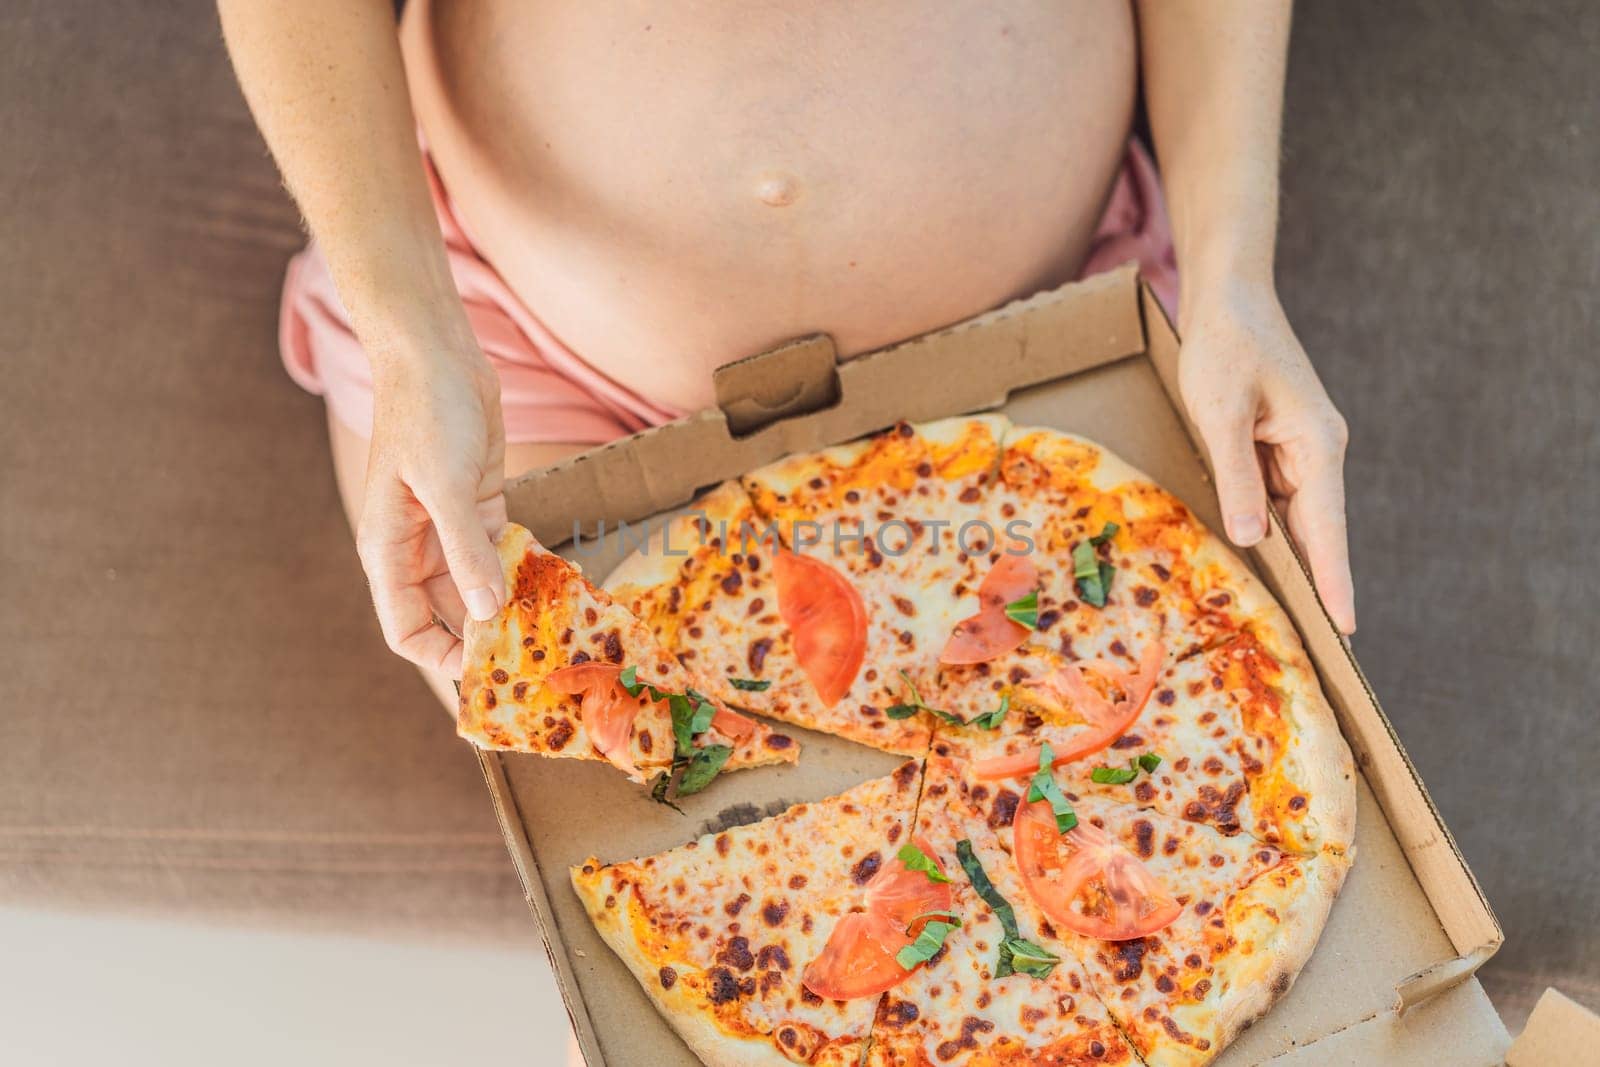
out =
column 777, row 189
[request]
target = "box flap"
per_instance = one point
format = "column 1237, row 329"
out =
column 1557, row 1030
column 793, row 379
column 760, row 418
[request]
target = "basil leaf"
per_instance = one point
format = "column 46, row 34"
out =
column 629, row 680
column 985, row 888
column 1114, row 775
column 1149, row 762
column 704, row 712
column 1025, row 611
column 927, row 944
column 1044, row 787
column 683, row 715
column 917, row 860
column 991, row 720
column 1015, row 953
column 1019, row 954
column 916, row 697
column 1092, row 574
column 658, row 790
column 704, row 765
column 916, row 704
column 751, row 685
column 952, row 916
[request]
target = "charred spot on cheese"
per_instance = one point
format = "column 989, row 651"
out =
column 559, row 735
column 1297, row 803
column 773, row 958
column 905, row 774
column 668, row 977
column 736, row 905
column 736, row 954
column 897, row 1013
column 1203, row 908
column 949, row 1050
column 1144, row 834
column 866, row 867
column 1004, row 810
column 722, row 987
column 1127, row 958
column 499, row 676
column 778, row 742
column 613, row 646
column 519, row 692
column 489, row 699
column 758, row 653
column 773, row 912
column 731, row 582
column 797, row 881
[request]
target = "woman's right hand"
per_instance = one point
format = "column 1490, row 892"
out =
column 433, row 501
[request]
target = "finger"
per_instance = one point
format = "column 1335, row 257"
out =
column 409, row 626
column 446, row 600
column 1317, row 521
column 468, row 552
column 1229, row 435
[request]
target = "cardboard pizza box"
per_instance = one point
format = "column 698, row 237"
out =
column 1392, row 979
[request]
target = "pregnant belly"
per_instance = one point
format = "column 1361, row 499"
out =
column 671, row 187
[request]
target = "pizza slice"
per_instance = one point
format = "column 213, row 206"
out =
column 769, row 630
column 1230, row 736
column 993, row 995
column 565, row 671
column 725, row 933
column 885, row 532
column 1121, row 562
column 1186, row 935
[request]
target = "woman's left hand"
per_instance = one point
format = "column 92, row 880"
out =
column 1270, row 429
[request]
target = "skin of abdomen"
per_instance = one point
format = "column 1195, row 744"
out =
column 670, row 187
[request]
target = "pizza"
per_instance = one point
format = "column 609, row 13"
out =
column 720, row 931
column 1128, row 809
column 564, row 670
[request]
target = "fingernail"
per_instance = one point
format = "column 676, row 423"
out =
column 482, row 604
column 1246, row 530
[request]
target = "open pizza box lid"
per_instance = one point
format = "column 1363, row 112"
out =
column 1392, row 978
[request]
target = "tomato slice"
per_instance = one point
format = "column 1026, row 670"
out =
column 990, row 633
column 859, row 958
column 1107, row 719
column 1086, row 881
column 607, row 709
column 731, row 724
column 1009, row 580
column 826, row 620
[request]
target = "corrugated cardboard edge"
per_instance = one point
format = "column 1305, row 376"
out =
column 1556, row 1031
column 509, row 816
column 660, row 468
column 1435, row 858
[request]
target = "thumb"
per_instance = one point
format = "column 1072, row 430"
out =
column 1241, row 491
column 463, row 527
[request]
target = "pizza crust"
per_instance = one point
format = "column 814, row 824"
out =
column 714, row 1046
